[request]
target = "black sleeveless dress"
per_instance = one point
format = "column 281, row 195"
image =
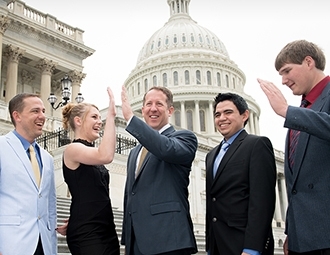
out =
column 91, row 228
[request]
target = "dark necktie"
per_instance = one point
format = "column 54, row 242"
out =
column 294, row 136
column 144, row 152
column 219, row 157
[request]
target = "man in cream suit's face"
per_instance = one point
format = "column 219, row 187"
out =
column 31, row 119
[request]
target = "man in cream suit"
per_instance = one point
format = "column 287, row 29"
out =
column 27, row 208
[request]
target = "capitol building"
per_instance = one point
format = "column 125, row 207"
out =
column 39, row 52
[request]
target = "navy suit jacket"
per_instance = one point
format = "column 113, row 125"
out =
column 240, row 199
column 156, row 202
column 308, row 183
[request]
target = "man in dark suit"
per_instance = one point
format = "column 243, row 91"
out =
column 307, row 151
column 156, row 208
column 240, row 187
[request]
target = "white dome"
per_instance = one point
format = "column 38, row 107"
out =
column 181, row 33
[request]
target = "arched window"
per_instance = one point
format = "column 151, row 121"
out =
column 186, row 77
column 190, row 125
column 202, row 120
column 234, row 84
column 218, row 79
column 177, row 118
column 146, row 85
column 208, row 75
column 183, row 38
column 198, row 77
column 154, row 80
column 139, row 88
column 176, row 78
column 164, row 79
column 227, row 81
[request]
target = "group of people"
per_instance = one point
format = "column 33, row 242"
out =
column 240, row 174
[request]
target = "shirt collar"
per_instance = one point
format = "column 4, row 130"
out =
column 316, row 90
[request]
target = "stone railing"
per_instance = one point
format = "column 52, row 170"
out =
column 20, row 8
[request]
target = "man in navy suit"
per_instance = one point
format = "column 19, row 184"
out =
column 307, row 151
column 240, row 187
column 27, row 202
column 156, row 207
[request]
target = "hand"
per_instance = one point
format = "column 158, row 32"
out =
column 112, row 106
column 62, row 229
column 126, row 107
column 275, row 97
column 285, row 247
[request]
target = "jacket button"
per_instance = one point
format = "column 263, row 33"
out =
column 214, row 219
column 311, row 185
column 214, row 199
column 294, row 191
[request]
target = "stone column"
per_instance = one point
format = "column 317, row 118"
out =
column 76, row 77
column 278, row 214
column 13, row 54
column 284, row 197
column 197, row 119
column 47, row 68
column 4, row 22
column 183, row 115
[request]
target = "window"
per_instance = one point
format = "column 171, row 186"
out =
column 139, row 88
column 198, row 77
column 227, row 81
column 175, row 77
column 208, row 75
column 190, row 120
column 186, row 77
column 218, row 79
column 145, row 85
column 177, row 118
column 154, row 80
column 164, row 79
column 202, row 120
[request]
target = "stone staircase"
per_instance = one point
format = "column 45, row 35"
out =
column 63, row 212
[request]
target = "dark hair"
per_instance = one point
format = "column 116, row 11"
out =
column 166, row 91
column 295, row 52
column 237, row 100
column 17, row 104
column 72, row 110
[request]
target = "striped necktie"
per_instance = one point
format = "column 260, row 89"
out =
column 35, row 164
column 294, row 137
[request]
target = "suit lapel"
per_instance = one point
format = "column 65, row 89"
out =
column 18, row 149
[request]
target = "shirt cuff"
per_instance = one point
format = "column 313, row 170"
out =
column 251, row 252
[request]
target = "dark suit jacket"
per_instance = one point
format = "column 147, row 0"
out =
column 240, row 199
column 308, row 184
column 156, row 203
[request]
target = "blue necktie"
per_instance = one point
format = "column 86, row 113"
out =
column 218, row 159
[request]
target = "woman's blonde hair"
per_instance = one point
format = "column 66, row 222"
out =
column 72, row 110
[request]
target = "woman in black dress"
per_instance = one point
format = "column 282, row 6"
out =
column 90, row 228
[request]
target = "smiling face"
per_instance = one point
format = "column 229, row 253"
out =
column 299, row 77
column 155, row 110
column 227, row 118
column 30, row 121
column 90, row 124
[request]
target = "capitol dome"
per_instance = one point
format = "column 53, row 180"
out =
column 181, row 33
column 195, row 65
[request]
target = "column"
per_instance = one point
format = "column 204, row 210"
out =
column 252, row 124
column 284, row 197
column 278, row 214
column 197, row 119
column 256, row 123
column 183, row 115
column 47, row 68
column 211, row 118
column 14, row 54
column 4, row 22
column 76, row 77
